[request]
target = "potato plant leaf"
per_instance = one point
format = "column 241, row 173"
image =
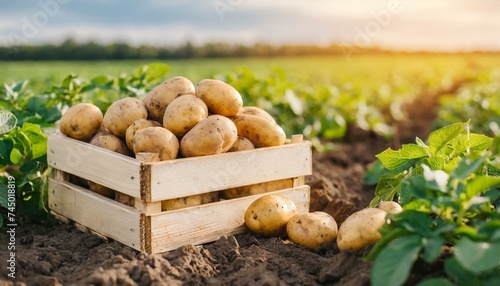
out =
column 393, row 264
column 481, row 184
column 7, row 121
column 441, row 137
column 477, row 257
column 393, row 159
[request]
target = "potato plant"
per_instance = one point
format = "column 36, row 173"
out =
column 450, row 193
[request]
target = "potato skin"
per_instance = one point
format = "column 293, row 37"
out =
column 390, row 207
column 156, row 140
column 161, row 96
column 314, row 231
column 183, row 113
column 81, row 121
column 122, row 113
column 269, row 214
column 254, row 110
column 189, row 201
column 136, row 126
column 220, row 97
column 361, row 229
column 213, row 135
column 255, row 189
column 241, row 144
column 261, row 132
column 110, row 142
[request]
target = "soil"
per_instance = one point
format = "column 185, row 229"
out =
column 60, row 254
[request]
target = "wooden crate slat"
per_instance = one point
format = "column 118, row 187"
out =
column 207, row 223
column 212, row 173
column 110, row 169
column 103, row 215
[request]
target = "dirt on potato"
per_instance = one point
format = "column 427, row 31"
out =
column 60, row 254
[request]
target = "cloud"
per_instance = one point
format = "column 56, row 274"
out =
column 420, row 24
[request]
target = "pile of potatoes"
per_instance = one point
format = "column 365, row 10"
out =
column 175, row 120
column 276, row 216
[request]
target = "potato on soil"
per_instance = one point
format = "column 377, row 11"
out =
column 81, row 121
column 189, row 201
column 136, row 126
column 110, row 142
column 220, row 97
column 156, row 140
column 255, row 189
column 314, row 231
column 269, row 214
column 261, row 132
column 213, row 135
column 162, row 95
column 360, row 229
column 390, row 207
column 122, row 113
column 241, row 144
column 183, row 113
column 254, row 110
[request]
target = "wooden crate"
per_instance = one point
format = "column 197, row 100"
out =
column 143, row 225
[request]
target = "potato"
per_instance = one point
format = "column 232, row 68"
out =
column 269, row 214
column 122, row 113
column 220, row 97
column 255, row 189
column 110, row 142
column 156, row 140
column 241, row 144
column 261, row 132
column 390, row 207
column 136, row 126
column 314, row 231
column 213, row 135
column 189, row 201
column 361, row 229
column 254, row 110
column 183, row 113
column 81, row 121
column 162, row 95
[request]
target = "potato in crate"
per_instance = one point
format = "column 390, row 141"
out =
column 191, row 187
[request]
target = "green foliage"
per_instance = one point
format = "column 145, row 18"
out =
column 23, row 143
column 450, row 193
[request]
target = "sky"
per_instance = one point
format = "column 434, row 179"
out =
column 448, row 25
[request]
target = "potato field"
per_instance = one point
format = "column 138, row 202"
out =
column 404, row 190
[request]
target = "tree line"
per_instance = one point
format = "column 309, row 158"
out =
column 71, row 50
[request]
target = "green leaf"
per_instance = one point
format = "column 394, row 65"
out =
column 477, row 256
column 435, row 282
column 441, row 137
column 415, row 221
column 455, row 270
column 466, row 167
column 156, row 71
column 395, row 159
column 8, row 121
column 432, row 248
column 480, row 184
column 471, row 142
column 374, row 173
column 387, row 187
column 38, row 140
column 4, row 196
column 393, row 264
column 16, row 156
